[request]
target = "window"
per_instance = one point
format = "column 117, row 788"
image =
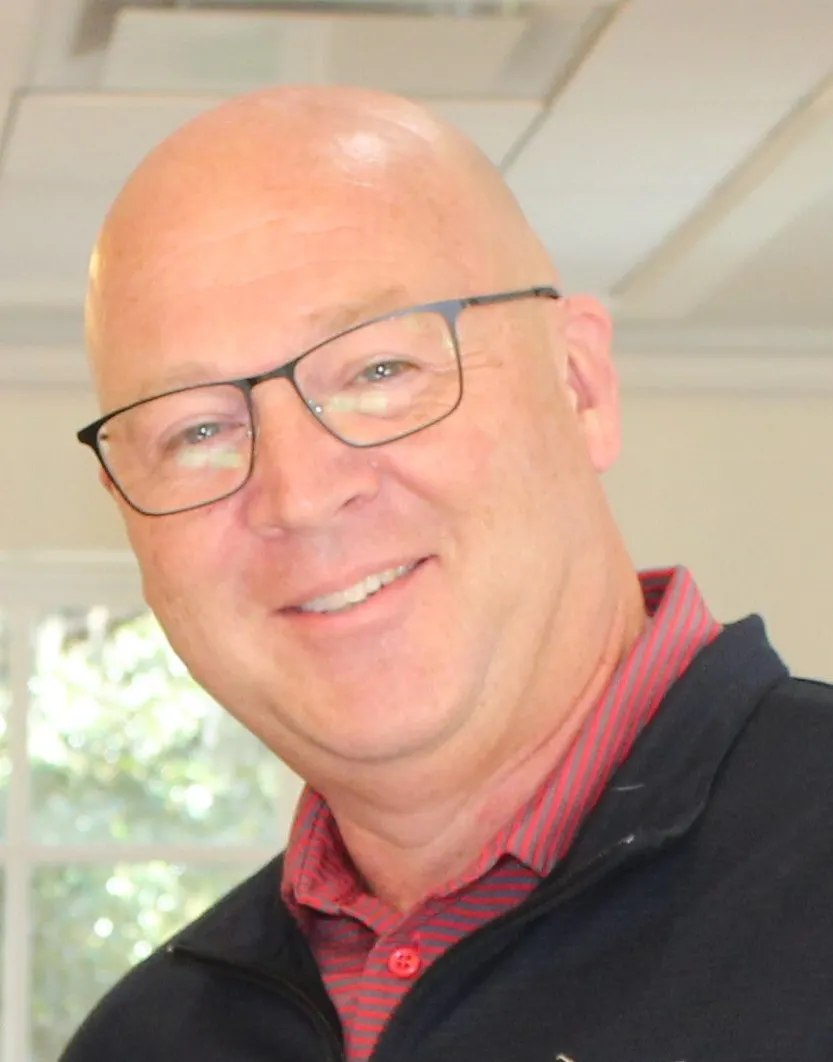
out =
column 129, row 801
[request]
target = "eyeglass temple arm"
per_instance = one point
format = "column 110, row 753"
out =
column 509, row 296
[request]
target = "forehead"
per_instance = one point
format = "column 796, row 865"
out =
column 250, row 287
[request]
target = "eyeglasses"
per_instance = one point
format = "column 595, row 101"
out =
column 371, row 384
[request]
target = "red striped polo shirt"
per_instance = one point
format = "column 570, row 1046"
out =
column 368, row 952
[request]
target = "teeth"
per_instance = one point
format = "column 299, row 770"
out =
column 373, row 583
column 354, row 595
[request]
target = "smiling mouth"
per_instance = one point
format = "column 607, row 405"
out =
column 344, row 600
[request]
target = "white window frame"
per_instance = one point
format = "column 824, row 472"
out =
column 30, row 586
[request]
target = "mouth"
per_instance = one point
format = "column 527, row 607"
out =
column 352, row 596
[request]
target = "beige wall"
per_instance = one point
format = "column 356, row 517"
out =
column 49, row 493
column 738, row 488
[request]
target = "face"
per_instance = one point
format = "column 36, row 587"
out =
column 492, row 512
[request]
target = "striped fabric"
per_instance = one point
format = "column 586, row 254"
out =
column 368, row 952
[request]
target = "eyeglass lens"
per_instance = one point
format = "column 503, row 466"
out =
column 371, row 385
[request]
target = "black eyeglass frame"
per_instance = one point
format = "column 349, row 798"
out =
column 448, row 309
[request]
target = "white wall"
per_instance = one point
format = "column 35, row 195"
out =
column 738, row 488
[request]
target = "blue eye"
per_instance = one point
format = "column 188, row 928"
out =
column 384, row 370
column 203, row 438
column 201, row 433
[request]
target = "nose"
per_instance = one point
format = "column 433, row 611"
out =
column 303, row 477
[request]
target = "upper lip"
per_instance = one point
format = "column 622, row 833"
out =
column 335, row 585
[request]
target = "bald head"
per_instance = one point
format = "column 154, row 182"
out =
column 245, row 246
column 263, row 173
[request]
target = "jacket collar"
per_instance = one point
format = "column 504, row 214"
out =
column 664, row 784
column 659, row 792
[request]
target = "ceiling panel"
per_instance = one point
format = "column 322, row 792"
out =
column 674, row 156
column 659, row 114
column 789, row 282
column 89, row 140
column 64, row 160
column 516, row 53
column 690, row 52
column 784, row 179
column 605, row 193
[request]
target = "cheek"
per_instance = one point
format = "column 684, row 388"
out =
column 513, row 446
column 489, row 468
column 182, row 559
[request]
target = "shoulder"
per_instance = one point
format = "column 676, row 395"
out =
column 801, row 693
column 130, row 1019
column 779, row 770
column 141, row 1016
column 795, row 717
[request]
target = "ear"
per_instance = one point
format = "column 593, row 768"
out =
column 590, row 377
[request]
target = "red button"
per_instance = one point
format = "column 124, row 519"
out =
column 404, row 962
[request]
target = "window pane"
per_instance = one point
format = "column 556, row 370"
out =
column 2, row 944
column 125, row 747
column 5, row 704
column 91, row 923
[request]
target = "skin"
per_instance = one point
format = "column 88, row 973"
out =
column 427, row 716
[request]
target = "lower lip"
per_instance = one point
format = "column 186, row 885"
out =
column 378, row 603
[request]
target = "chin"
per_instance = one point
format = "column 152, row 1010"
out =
column 387, row 731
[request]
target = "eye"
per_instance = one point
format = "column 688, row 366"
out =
column 384, row 370
column 199, row 433
column 204, row 437
column 203, row 431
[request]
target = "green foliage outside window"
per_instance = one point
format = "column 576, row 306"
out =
column 124, row 749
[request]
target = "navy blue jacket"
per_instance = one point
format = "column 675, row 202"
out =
column 692, row 920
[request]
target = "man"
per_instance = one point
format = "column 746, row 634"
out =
column 554, row 810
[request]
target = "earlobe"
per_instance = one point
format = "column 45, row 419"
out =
column 591, row 378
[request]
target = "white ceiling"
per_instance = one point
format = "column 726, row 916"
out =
column 676, row 155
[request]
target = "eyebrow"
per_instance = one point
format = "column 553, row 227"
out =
column 321, row 323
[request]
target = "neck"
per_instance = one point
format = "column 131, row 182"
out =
column 406, row 848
